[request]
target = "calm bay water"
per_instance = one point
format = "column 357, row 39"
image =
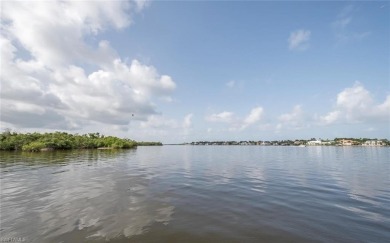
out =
column 197, row 194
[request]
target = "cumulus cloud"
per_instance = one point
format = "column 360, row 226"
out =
column 53, row 32
column 160, row 127
column 331, row 117
column 225, row 116
column 237, row 123
column 54, row 76
column 294, row 119
column 164, row 123
column 160, row 122
column 355, row 105
column 254, row 116
column 294, row 116
column 299, row 40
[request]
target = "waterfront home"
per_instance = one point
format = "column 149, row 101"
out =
column 297, row 142
column 327, row 142
column 346, row 142
column 373, row 143
column 314, row 143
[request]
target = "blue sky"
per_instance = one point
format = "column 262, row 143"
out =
column 181, row 71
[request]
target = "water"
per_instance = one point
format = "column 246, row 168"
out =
column 197, row 194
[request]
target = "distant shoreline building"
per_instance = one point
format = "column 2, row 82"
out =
column 314, row 143
column 346, row 142
column 373, row 143
column 302, row 142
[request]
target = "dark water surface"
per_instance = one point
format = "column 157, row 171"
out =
column 198, row 194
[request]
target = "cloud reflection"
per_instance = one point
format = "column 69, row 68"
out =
column 99, row 201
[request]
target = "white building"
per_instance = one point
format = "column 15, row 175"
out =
column 373, row 143
column 314, row 143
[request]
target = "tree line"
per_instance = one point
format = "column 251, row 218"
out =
column 61, row 141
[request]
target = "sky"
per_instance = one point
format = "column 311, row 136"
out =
column 182, row 71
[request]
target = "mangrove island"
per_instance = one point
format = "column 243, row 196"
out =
column 35, row 142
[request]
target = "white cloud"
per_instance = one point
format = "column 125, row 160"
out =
column 236, row 123
column 187, row 123
column 254, row 116
column 225, row 116
column 162, row 128
column 163, row 123
column 343, row 28
column 294, row 116
column 53, row 32
column 355, row 105
column 45, row 49
column 159, row 122
column 141, row 4
column 299, row 40
column 294, row 120
column 331, row 117
column 231, row 84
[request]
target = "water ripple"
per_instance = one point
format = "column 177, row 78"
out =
column 197, row 194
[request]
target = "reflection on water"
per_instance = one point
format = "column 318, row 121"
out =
column 197, row 193
column 55, row 194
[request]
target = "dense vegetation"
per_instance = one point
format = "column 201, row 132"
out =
column 60, row 140
column 149, row 143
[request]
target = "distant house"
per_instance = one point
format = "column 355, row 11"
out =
column 327, row 143
column 373, row 143
column 314, row 143
column 346, row 142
